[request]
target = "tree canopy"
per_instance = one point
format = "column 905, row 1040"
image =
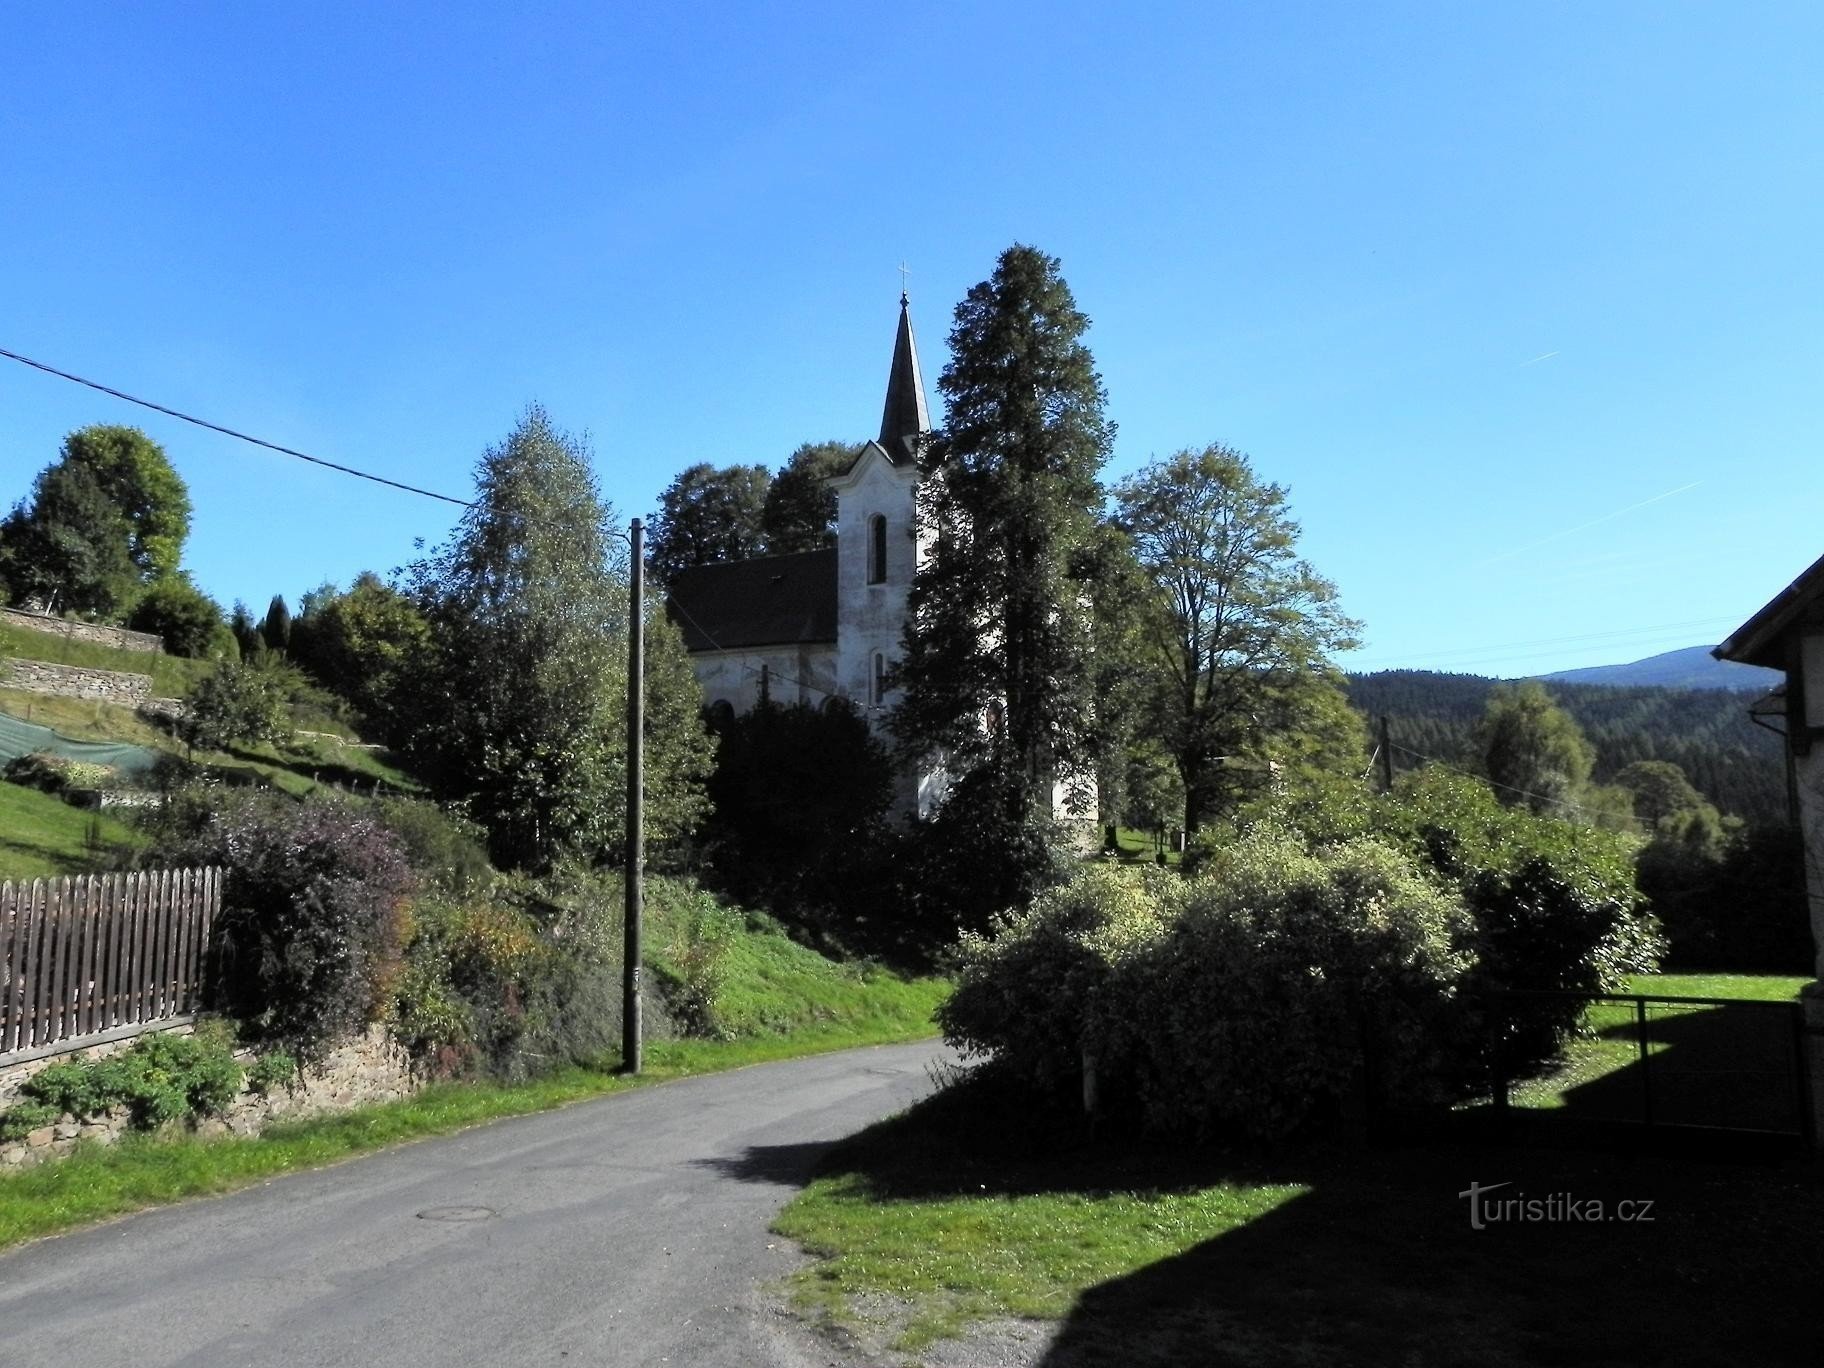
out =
column 997, row 667
column 1239, row 628
column 800, row 509
column 520, row 707
column 1534, row 752
column 707, row 515
column 107, row 518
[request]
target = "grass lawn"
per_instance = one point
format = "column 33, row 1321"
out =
column 1710, row 1065
column 970, row 1207
column 172, row 676
column 42, row 837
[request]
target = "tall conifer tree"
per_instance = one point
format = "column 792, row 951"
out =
column 997, row 665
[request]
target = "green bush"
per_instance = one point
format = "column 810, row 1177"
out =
column 189, row 621
column 313, row 923
column 164, row 1077
column 1292, row 985
column 272, row 1071
column 59, row 775
column 447, row 851
column 236, row 703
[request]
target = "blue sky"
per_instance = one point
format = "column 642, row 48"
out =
column 1522, row 302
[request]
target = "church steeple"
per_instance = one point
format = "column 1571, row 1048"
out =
column 905, row 418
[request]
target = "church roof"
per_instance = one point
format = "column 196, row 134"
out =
column 904, row 419
column 768, row 601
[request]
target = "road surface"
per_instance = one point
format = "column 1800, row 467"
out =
column 628, row 1230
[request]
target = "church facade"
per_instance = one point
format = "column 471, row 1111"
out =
column 825, row 627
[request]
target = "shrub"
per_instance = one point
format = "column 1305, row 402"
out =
column 694, row 958
column 235, row 703
column 271, row 1071
column 313, row 922
column 58, row 774
column 163, row 1077
column 1033, row 994
column 175, row 609
column 447, row 851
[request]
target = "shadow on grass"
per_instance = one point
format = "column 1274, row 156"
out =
column 1376, row 1261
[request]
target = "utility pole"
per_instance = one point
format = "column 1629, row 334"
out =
column 636, row 816
column 1386, row 758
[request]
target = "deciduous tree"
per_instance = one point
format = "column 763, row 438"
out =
column 1240, row 628
column 800, row 509
column 708, row 515
column 1534, row 752
column 521, row 710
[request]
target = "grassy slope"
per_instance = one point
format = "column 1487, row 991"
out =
column 782, row 999
column 42, row 836
column 172, row 676
column 952, row 1213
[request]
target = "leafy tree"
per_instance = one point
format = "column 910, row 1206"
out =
column 999, row 627
column 188, row 619
column 708, row 515
column 1534, row 752
column 795, row 788
column 1239, row 627
column 800, row 509
column 365, row 646
column 520, row 708
column 275, row 627
column 138, row 478
column 237, row 702
column 68, row 548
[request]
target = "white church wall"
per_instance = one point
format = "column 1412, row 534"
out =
column 794, row 674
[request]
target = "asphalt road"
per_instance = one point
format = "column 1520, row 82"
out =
column 628, row 1230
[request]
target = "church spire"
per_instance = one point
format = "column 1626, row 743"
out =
column 905, row 418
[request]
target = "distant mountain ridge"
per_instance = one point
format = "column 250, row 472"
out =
column 1691, row 667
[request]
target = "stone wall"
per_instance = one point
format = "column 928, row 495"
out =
column 78, row 681
column 371, row 1069
column 117, row 638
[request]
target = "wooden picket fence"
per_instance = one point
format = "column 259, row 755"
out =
column 92, row 954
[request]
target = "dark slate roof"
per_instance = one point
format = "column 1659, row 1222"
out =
column 904, row 418
column 767, row 601
column 1762, row 639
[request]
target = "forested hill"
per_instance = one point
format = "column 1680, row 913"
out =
column 1706, row 732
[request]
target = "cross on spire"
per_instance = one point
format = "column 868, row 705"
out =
column 904, row 271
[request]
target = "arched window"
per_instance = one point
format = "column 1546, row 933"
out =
column 877, row 549
column 877, row 690
column 721, row 714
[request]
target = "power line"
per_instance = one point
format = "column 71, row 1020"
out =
column 230, row 432
column 1639, row 825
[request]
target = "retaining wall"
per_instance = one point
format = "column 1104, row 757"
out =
column 78, row 681
column 371, row 1069
column 119, row 638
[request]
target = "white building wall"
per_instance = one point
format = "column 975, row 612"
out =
column 794, row 674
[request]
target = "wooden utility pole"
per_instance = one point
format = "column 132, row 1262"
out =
column 636, row 834
column 1386, row 758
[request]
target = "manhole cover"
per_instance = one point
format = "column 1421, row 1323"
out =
column 457, row 1213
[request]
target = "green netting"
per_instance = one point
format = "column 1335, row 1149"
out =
column 18, row 737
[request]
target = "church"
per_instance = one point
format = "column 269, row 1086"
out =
column 825, row 626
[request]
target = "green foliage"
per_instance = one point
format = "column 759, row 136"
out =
column 447, row 851
column 275, row 627
column 696, row 960
column 1243, row 1002
column 799, row 513
column 798, row 793
column 164, row 1077
column 68, row 549
column 189, row 621
column 708, row 515
column 1707, row 733
column 313, row 922
column 1239, row 627
column 366, row 645
column 55, row 774
column 272, row 1071
column 236, row 703
column 1533, row 751
column 997, row 612
column 520, row 711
